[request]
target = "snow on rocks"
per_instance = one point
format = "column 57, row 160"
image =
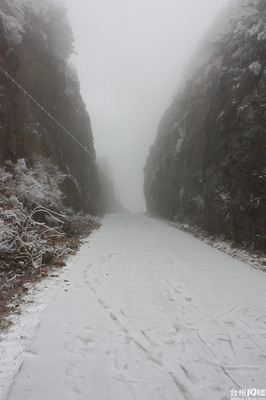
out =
column 255, row 68
column 255, row 259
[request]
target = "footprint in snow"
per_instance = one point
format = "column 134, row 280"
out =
column 123, row 313
column 229, row 323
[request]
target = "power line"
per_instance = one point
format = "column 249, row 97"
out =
column 85, row 149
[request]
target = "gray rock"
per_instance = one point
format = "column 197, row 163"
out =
column 207, row 165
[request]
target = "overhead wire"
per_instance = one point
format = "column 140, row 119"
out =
column 20, row 87
column 43, row 109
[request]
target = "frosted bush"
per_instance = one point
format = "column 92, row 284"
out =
column 255, row 29
column 21, row 235
column 20, row 8
column 16, row 16
column 262, row 35
column 15, row 21
column 255, row 68
column 39, row 185
column 12, row 27
column 239, row 30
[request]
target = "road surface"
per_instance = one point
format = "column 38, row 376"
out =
column 150, row 313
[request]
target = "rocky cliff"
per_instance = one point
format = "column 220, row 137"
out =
column 35, row 44
column 207, row 165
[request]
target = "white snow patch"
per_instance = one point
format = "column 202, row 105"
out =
column 15, row 343
column 253, row 259
column 180, row 140
column 181, row 193
column 262, row 35
column 44, row 36
column 255, row 68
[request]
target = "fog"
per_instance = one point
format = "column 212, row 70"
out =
column 130, row 56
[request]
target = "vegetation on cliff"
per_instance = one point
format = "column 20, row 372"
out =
column 35, row 44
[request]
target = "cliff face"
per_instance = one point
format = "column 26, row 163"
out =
column 207, row 165
column 35, row 44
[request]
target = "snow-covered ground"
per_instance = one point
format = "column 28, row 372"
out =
column 15, row 343
column 151, row 313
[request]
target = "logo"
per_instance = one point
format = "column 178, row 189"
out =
column 248, row 394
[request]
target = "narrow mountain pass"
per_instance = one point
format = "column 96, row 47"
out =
column 151, row 313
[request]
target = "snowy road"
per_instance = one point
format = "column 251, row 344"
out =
column 151, row 313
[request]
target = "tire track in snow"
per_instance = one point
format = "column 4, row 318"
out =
column 145, row 317
column 180, row 386
column 216, row 358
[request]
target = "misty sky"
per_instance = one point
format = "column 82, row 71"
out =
column 130, row 58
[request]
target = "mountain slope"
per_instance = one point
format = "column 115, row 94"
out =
column 35, row 44
column 207, row 165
